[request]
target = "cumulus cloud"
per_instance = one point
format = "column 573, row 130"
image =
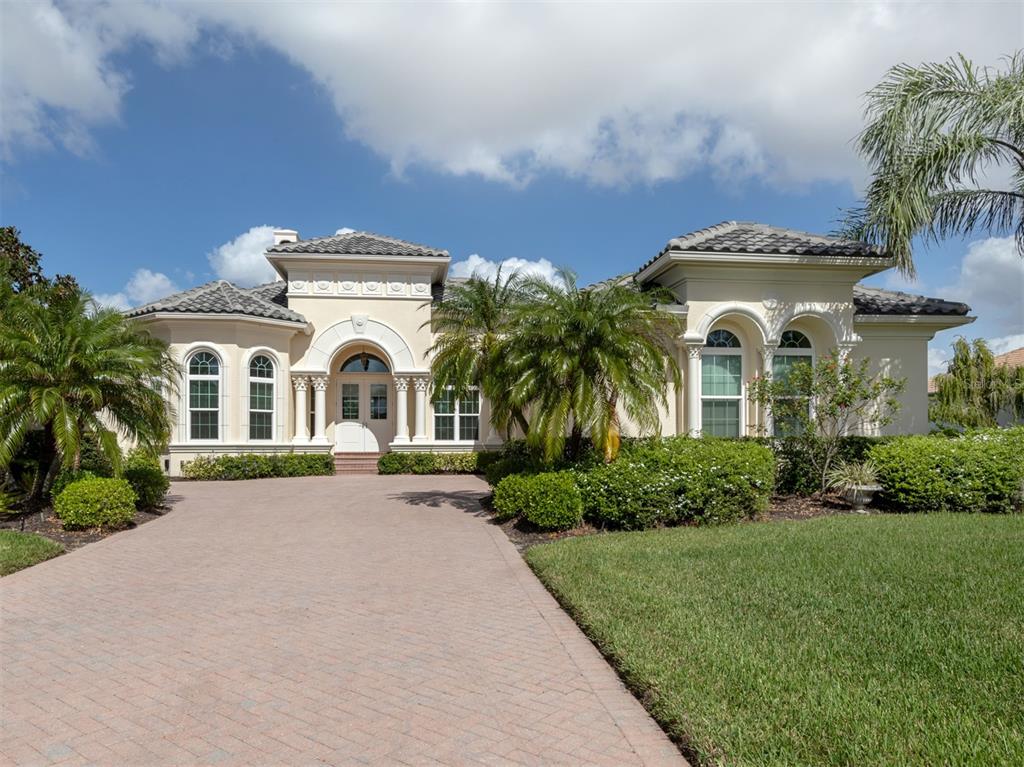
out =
column 611, row 94
column 481, row 267
column 242, row 261
column 143, row 287
column 991, row 280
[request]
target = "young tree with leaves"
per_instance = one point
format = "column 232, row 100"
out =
column 975, row 392
column 824, row 402
column 937, row 134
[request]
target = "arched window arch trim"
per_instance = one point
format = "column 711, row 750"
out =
column 204, row 394
column 364, row 362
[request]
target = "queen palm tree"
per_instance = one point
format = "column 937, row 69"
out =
column 581, row 356
column 939, row 139
column 469, row 323
column 70, row 368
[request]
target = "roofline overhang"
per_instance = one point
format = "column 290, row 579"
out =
column 867, row 264
column 294, row 325
column 937, row 321
column 437, row 274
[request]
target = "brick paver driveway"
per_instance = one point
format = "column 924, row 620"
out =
column 325, row 620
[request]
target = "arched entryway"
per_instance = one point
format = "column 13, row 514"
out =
column 365, row 401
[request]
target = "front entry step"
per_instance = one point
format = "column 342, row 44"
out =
column 355, row 463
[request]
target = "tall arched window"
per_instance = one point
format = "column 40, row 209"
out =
column 261, row 397
column 721, row 385
column 794, row 348
column 203, row 396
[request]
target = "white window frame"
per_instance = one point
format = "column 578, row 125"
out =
column 219, row 378
column 791, row 352
column 733, row 351
column 272, row 380
column 457, row 415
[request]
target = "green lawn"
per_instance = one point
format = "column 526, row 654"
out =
column 19, row 550
column 880, row 640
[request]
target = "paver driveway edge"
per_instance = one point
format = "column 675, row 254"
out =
column 647, row 739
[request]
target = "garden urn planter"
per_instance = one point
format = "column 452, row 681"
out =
column 859, row 496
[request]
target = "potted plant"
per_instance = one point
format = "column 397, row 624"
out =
column 857, row 483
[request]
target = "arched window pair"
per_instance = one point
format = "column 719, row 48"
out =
column 204, row 395
column 722, row 379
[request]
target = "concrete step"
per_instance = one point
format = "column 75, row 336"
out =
column 355, row 463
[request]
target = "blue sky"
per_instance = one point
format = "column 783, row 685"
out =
column 143, row 143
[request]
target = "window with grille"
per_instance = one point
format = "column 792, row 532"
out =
column 203, row 396
column 261, row 398
column 721, row 385
column 794, row 349
column 457, row 418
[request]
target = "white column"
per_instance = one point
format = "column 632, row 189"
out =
column 401, row 409
column 319, row 409
column 693, row 352
column 301, row 411
column 421, row 410
column 767, row 358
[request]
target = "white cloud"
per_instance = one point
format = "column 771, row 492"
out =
column 1006, row 344
column 143, row 287
column 608, row 93
column 242, row 261
column 991, row 280
column 481, row 267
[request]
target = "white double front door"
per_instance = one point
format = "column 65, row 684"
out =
column 364, row 420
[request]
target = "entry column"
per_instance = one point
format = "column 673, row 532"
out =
column 693, row 355
column 421, row 409
column 301, row 410
column 320, row 409
column 401, row 409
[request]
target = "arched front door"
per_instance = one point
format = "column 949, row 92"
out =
column 365, row 405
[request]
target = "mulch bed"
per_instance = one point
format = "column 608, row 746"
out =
column 789, row 508
column 47, row 524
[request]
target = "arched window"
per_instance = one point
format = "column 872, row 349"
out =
column 721, row 385
column 261, row 397
column 794, row 349
column 203, row 396
column 365, row 362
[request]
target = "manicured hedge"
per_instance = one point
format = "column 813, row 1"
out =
column 435, row 463
column 975, row 472
column 550, row 500
column 796, row 476
column 96, row 502
column 257, row 466
column 679, row 480
column 147, row 479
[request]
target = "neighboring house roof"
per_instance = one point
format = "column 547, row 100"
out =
column 358, row 244
column 752, row 237
column 867, row 300
column 1011, row 359
column 221, row 297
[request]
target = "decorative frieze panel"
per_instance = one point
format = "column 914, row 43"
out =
column 354, row 285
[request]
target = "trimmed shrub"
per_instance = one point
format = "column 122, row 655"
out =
column 795, row 473
column 432, row 463
column 147, row 480
column 679, row 480
column 96, row 502
column 551, row 500
column 981, row 471
column 256, row 466
column 66, row 476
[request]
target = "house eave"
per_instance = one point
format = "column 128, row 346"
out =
column 937, row 321
column 866, row 265
column 438, row 264
column 294, row 325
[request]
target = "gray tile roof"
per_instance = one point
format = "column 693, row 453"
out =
column 221, row 297
column 751, row 237
column 358, row 243
column 867, row 300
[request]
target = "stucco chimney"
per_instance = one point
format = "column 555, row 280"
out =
column 285, row 235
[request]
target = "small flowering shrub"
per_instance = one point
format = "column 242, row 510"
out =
column 978, row 471
column 257, row 466
column 96, row 502
column 679, row 480
column 551, row 500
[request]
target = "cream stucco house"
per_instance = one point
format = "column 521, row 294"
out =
column 333, row 356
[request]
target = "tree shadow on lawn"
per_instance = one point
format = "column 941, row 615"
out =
column 468, row 501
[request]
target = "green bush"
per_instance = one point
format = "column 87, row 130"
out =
column 66, row 476
column 795, row 473
column 147, row 479
column 432, row 463
column 978, row 471
column 678, row 480
column 96, row 502
column 551, row 500
column 257, row 466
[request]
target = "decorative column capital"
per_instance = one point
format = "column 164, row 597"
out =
column 301, row 383
column 420, row 384
column 319, row 383
column 845, row 350
column 694, row 351
column 768, row 354
column 401, row 384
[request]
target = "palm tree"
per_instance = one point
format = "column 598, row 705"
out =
column 936, row 134
column 469, row 324
column 975, row 391
column 71, row 368
column 582, row 355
